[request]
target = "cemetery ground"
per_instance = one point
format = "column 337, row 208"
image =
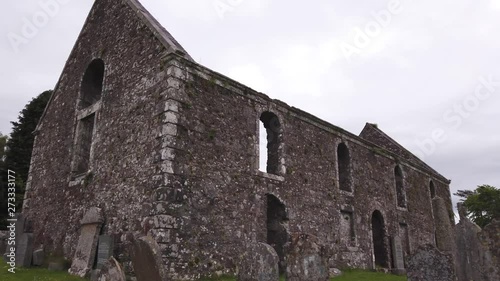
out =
column 348, row 275
column 34, row 274
column 42, row 274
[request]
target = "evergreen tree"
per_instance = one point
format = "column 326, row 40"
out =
column 19, row 146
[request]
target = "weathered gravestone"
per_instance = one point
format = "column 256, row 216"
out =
column 259, row 263
column 104, row 250
column 24, row 250
column 397, row 256
column 305, row 259
column 429, row 264
column 111, row 271
column 38, row 257
column 146, row 259
column 87, row 242
column 4, row 235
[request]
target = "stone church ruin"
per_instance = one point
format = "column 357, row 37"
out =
column 164, row 154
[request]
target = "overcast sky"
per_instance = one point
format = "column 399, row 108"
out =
column 424, row 71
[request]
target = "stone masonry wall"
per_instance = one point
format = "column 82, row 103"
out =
column 125, row 167
column 221, row 200
column 175, row 155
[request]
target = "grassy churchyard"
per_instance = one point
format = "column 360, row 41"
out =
column 39, row 274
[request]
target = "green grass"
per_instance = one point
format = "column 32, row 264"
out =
column 362, row 275
column 348, row 275
column 34, row 274
column 39, row 274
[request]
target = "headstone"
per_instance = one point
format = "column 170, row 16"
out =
column 104, row 250
column 85, row 253
column 56, row 266
column 146, row 259
column 3, row 241
column 397, row 256
column 259, row 263
column 38, row 257
column 24, row 250
column 110, row 271
column 429, row 264
column 305, row 259
column 20, row 220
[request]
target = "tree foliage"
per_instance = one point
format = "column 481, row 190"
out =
column 17, row 149
column 482, row 204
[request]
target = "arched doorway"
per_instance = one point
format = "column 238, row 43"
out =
column 379, row 244
column 277, row 228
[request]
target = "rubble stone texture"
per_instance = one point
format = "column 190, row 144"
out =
column 169, row 148
column 259, row 262
column 430, row 264
column 478, row 250
column 305, row 259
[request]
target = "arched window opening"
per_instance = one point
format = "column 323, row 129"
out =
column 91, row 88
column 269, row 148
column 277, row 228
column 432, row 189
column 379, row 240
column 90, row 94
column 400, row 190
column 344, row 167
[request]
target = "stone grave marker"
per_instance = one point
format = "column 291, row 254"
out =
column 38, row 257
column 24, row 250
column 146, row 259
column 305, row 259
column 429, row 264
column 397, row 256
column 111, row 271
column 259, row 262
column 87, row 243
column 104, row 250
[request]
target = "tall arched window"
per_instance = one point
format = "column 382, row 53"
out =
column 91, row 88
column 432, row 189
column 88, row 105
column 271, row 146
column 344, row 167
column 400, row 190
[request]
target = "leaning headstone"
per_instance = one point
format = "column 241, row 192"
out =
column 429, row 264
column 38, row 257
column 110, row 271
column 397, row 256
column 84, row 257
column 24, row 250
column 259, row 263
column 146, row 259
column 104, row 250
column 305, row 259
column 56, row 266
